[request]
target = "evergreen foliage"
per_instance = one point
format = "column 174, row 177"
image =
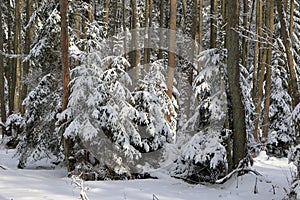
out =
column 39, row 139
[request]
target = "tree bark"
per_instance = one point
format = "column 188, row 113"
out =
column 291, row 27
column 270, row 28
column 200, row 31
column 26, row 64
column 106, row 6
column 237, row 119
column 124, row 29
column 244, row 39
column 2, row 75
column 256, row 61
column 213, row 23
column 17, row 51
column 135, row 58
column 172, row 46
column 65, row 72
column 10, row 66
column 161, row 25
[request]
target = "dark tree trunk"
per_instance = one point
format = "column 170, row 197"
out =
column 65, row 70
column 2, row 97
column 26, row 64
column 237, row 120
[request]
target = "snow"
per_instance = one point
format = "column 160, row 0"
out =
column 41, row 181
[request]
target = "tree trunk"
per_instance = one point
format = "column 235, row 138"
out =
column 291, row 28
column 146, row 58
column 10, row 67
column 148, row 24
column 65, row 72
column 172, row 46
column 106, row 6
column 135, row 58
column 200, row 31
column 161, row 25
column 77, row 19
column 124, row 29
column 26, row 64
column 244, row 39
column 270, row 28
column 256, row 60
column 2, row 83
column 213, row 23
column 237, row 119
column 17, row 51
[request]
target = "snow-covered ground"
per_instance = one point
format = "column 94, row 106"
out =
column 42, row 182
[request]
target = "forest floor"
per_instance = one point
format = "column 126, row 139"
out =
column 42, row 181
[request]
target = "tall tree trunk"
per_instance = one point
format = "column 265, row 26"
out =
column 270, row 28
column 135, row 59
column 237, row 111
column 17, row 51
column 146, row 58
column 290, row 59
column 26, row 64
column 2, row 82
column 244, row 39
column 77, row 19
column 257, row 46
column 124, row 28
column 172, row 46
column 65, row 73
column 200, row 31
column 213, row 23
column 106, row 7
column 148, row 24
column 161, row 26
column 291, row 27
column 10, row 66
column 256, row 61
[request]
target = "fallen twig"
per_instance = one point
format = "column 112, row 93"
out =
column 245, row 170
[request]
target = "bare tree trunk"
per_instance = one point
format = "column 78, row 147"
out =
column 256, row 48
column 11, row 68
column 146, row 59
column 65, row 71
column 256, row 64
column 17, row 51
column 148, row 24
column 172, row 46
column 270, row 28
column 77, row 20
column 2, row 83
column 237, row 119
column 161, row 25
column 200, row 31
column 26, row 64
column 106, row 6
column 124, row 28
column 135, row 59
column 291, row 28
column 213, row 23
column 244, row 39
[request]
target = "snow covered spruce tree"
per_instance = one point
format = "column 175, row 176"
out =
column 110, row 125
column 153, row 105
column 203, row 157
column 281, row 130
column 39, row 139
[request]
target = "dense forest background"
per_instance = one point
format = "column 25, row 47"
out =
column 113, row 88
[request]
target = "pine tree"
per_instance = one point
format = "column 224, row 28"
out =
column 39, row 139
column 282, row 134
